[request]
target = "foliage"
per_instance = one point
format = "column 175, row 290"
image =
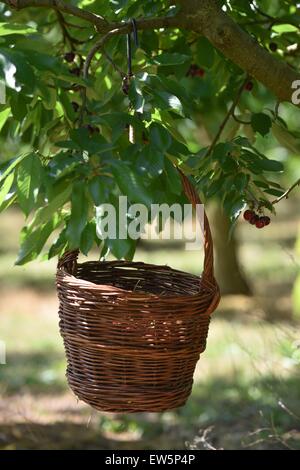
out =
column 73, row 131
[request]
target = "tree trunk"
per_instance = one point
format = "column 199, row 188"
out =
column 228, row 272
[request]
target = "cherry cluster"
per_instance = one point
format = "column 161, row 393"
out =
column 195, row 71
column 255, row 219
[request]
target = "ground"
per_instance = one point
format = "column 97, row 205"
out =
column 246, row 392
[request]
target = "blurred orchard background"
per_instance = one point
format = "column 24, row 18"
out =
column 246, row 393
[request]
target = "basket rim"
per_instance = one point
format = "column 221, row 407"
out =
column 211, row 289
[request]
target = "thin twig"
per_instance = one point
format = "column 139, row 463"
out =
column 99, row 45
column 66, row 34
column 115, row 66
column 285, row 195
column 241, row 121
column 227, row 117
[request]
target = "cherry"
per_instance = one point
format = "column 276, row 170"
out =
column 254, row 219
column 260, row 223
column 91, row 129
column 125, row 86
column 248, row 214
column 75, row 71
column 192, row 70
column 195, row 71
column 145, row 138
column 69, row 57
column 75, row 106
column 273, row 46
column 200, row 73
column 249, row 86
column 266, row 220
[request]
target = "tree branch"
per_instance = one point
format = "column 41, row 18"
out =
column 63, row 7
column 208, row 19
column 245, row 51
column 230, row 113
column 285, row 195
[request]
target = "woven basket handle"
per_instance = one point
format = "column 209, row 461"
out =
column 69, row 259
column 193, row 197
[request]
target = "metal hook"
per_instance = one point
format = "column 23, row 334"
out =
column 129, row 46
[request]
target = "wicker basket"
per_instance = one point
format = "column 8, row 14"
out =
column 133, row 332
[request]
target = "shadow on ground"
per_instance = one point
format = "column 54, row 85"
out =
column 221, row 414
column 35, row 372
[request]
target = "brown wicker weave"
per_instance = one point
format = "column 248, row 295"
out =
column 133, row 332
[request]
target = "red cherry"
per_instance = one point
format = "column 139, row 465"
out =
column 249, row 86
column 91, row 129
column 248, row 214
column 260, row 223
column 192, row 70
column 200, row 73
column 266, row 220
column 69, row 57
column 254, row 219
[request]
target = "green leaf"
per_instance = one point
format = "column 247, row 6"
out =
column 160, row 137
column 88, row 238
column 261, row 123
column 14, row 163
column 93, row 144
column 136, row 96
column 270, row 165
column 59, row 245
column 152, row 160
column 79, row 211
column 97, row 190
column 170, row 59
column 215, row 187
column 222, row 150
column 205, row 53
column 43, row 214
column 274, row 192
column 33, row 241
column 120, row 248
column 131, row 184
column 13, row 28
column 229, row 165
column 28, row 182
column 49, row 96
column 10, row 199
column 65, row 101
column 4, row 116
column 285, row 28
column 117, row 5
column 168, row 101
column 149, row 41
column 173, row 178
column 5, row 187
column 241, row 181
column 14, row 60
column 18, row 106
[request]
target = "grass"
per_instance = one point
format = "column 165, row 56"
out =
column 246, row 392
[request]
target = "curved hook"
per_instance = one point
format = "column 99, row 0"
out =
column 129, row 47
